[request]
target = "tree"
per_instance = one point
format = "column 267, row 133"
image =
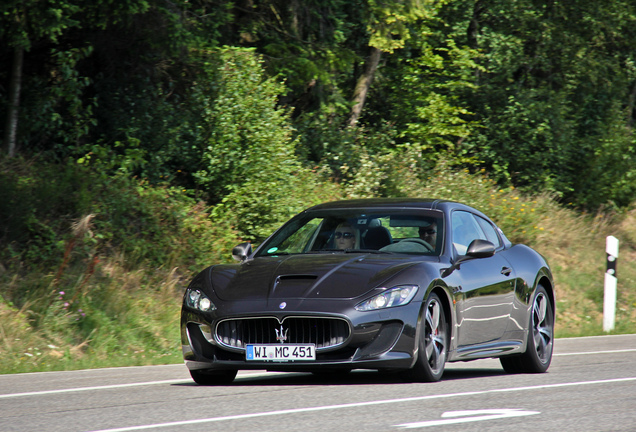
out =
column 390, row 26
column 23, row 23
column 11, row 125
column 250, row 169
column 556, row 76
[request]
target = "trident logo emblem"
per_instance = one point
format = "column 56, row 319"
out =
column 281, row 335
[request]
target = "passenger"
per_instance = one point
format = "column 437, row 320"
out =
column 347, row 237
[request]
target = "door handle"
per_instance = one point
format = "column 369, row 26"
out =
column 506, row 271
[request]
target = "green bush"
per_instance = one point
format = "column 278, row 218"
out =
column 251, row 169
column 92, row 268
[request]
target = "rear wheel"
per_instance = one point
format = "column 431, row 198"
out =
column 206, row 377
column 433, row 343
column 538, row 353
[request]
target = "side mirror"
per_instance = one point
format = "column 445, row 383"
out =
column 242, row 251
column 478, row 248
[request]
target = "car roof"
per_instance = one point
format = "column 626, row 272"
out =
column 425, row 203
column 396, row 203
column 405, row 203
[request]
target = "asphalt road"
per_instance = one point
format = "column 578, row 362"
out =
column 591, row 386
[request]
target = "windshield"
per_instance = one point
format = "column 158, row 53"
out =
column 347, row 231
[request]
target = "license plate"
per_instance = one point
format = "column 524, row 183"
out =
column 280, row 352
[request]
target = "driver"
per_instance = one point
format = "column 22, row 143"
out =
column 429, row 233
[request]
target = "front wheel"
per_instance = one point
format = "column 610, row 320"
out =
column 538, row 355
column 433, row 343
column 205, row 377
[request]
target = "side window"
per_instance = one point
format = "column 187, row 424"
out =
column 489, row 230
column 465, row 230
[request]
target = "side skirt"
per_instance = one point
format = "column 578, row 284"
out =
column 488, row 350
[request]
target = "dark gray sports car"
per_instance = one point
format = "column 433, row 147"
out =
column 387, row 284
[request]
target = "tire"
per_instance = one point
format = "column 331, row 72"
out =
column 540, row 344
column 433, row 343
column 206, row 377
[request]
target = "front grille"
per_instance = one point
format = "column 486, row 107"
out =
column 322, row 332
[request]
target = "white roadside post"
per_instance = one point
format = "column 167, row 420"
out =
column 609, row 298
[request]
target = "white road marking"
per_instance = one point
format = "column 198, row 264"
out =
column 139, row 384
column 469, row 417
column 80, row 389
column 595, row 352
column 361, row 404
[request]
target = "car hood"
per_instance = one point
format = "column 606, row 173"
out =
column 329, row 276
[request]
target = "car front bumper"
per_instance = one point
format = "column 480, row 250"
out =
column 382, row 341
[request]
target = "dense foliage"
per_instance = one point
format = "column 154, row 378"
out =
column 539, row 93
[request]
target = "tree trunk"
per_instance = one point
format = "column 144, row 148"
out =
column 630, row 107
column 363, row 85
column 473, row 30
column 11, row 127
column 474, row 25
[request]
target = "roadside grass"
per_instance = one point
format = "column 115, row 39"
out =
column 121, row 318
column 103, row 305
column 575, row 247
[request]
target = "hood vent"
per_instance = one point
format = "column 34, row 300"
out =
column 293, row 285
column 306, row 277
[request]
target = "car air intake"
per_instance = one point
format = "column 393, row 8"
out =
column 323, row 332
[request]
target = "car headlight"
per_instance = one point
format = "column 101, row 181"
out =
column 397, row 296
column 197, row 300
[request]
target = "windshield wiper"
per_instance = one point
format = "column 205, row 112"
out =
column 369, row 251
column 276, row 254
